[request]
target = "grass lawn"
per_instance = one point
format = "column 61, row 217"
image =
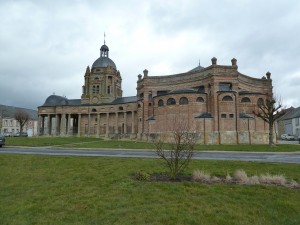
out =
column 74, row 142
column 96, row 190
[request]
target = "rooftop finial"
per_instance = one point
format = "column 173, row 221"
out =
column 104, row 37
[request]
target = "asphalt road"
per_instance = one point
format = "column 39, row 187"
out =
column 293, row 157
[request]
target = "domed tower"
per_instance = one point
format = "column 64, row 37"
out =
column 103, row 82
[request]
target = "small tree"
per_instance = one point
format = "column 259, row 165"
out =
column 269, row 112
column 177, row 147
column 22, row 117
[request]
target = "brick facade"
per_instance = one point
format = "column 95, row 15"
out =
column 217, row 101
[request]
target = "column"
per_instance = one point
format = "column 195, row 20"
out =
column 40, row 125
column 89, row 124
column 63, row 125
column 79, row 122
column 48, row 124
column 132, row 123
column 69, row 132
column 125, row 122
column 98, row 125
column 116, row 127
column 107, row 123
column 56, row 124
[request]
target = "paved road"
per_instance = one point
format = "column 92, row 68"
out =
column 207, row 155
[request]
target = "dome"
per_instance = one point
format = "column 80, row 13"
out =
column 104, row 48
column 55, row 100
column 104, row 62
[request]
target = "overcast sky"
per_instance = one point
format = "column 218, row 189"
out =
column 45, row 46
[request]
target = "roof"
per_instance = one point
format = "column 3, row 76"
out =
column 293, row 113
column 197, row 68
column 10, row 111
column 55, row 100
column 204, row 115
column 104, row 62
column 123, row 100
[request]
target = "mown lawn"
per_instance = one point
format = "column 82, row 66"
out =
column 74, row 142
column 96, row 190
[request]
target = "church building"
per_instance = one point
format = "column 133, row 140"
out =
column 216, row 101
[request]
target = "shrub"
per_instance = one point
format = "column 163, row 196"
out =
column 240, row 176
column 278, row 180
column 200, row 176
column 228, row 178
column 253, row 180
column 142, row 175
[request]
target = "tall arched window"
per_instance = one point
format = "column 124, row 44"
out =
column 200, row 99
column 245, row 100
column 171, row 101
column 227, row 98
column 260, row 102
column 183, row 101
column 160, row 102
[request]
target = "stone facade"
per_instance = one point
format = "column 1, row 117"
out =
column 217, row 102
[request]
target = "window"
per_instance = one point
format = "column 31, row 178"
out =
column 150, row 104
column 94, row 110
column 120, row 108
column 223, row 116
column 108, row 89
column 97, row 89
column 297, row 121
column 245, row 100
column 160, row 103
column 94, row 89
column 183, row 101
column 227, row 98
column 200, row 89
column 139, row 105
column 171, row 101
column 200, row 99
column 225, row 87
column 231, row 116
column 260, row 102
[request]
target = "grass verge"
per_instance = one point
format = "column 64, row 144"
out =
column 85, row 142
column 97, row 190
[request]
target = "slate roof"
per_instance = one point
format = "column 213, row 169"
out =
column 10, row 111
column 293, row 113
column 55, row 100
column 123, row 100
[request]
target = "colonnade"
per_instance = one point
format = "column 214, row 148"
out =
column 70, row 124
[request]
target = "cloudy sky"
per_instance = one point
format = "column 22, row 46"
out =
column 45, row 46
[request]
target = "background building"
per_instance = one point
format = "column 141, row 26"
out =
column 9, row 125
column 217, row 102
column 289, row 123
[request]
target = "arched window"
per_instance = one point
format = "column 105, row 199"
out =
column 183, row 101
column 200, row 99
column 245, row 100
column 120, row 108
column 94, row 110
column 227, row 98
column 171, row 101
column 160, row 102
column 139, row 105
column 260, row 102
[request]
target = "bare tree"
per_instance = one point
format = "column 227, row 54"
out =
column 22, row 117
column 177, row 147
column 269, row 112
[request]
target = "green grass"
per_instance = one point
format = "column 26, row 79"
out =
column 97, row 190
column 74, row 142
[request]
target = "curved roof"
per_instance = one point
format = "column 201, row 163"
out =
column 55, row 100
column 104, row 48
column 104, row 62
